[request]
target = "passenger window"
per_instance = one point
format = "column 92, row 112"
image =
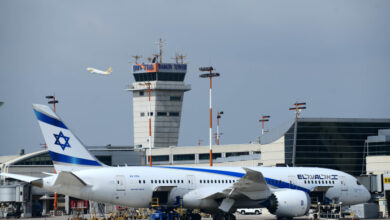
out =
column 144, row 181
column 159, row 181
column 139, row 181
column 182, row 181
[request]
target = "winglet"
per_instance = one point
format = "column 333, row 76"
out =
column 109, row 70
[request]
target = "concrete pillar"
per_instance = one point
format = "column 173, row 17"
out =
column 67, row 208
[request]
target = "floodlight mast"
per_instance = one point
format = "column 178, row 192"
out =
column 209, row 75
column 53, row 101
column 264, row 118
column 299, row 106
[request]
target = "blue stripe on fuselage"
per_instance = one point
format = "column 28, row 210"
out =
column 272, row 182
column 49, row 120
column 56, row 157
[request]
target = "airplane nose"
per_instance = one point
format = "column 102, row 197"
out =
column 366, row 194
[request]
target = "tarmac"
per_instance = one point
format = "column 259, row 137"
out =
column 238, row 216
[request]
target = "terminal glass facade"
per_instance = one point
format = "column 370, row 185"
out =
column 378, row 149
column 332, row 143
column 42, row 159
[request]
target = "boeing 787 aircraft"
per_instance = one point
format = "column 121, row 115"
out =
column 284, row 191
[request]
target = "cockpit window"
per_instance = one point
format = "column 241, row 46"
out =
column 357, row 182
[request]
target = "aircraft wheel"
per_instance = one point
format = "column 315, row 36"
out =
column 232, row 217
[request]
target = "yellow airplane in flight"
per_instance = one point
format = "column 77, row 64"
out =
column 101, row 72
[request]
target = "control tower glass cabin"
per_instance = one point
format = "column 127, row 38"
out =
column 167, row 93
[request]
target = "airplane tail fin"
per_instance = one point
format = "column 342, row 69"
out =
column 109, row 70
column 66, row 150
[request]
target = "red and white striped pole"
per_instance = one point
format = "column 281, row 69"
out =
column 264, row 118
column 211, row 122
column 150, row 126
column 210, row 76
column 298, row 108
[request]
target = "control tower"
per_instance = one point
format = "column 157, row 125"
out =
column 166, row 81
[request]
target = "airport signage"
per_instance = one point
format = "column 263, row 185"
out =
column 159, row 67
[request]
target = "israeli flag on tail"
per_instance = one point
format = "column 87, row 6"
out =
column 66, row 150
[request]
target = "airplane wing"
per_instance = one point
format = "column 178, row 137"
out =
column 252, row 185
column 23, row 178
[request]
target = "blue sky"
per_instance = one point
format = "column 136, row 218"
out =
column 334, row 55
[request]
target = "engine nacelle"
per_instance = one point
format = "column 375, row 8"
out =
column 289, row 203
column 193, row 200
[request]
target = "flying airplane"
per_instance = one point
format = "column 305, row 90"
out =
column 101, row 72
column 284, row 191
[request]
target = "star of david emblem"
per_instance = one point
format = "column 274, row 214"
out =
column 64, row 142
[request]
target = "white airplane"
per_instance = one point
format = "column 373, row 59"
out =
column 101, row 72
column 284, row 191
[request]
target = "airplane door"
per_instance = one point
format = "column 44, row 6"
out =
column 120, row 187
column 191, row 181
column 344, row 188
column 292, row 181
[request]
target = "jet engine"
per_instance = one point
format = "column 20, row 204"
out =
column 289, row 203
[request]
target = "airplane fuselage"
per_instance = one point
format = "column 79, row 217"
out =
column 134, row 186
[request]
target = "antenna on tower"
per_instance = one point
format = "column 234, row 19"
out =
column 176, row 58
column 136, row 57
column 161, row 42
column 181, row 57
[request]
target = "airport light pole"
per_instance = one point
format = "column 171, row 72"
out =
column 299, row 106
column 218, row 117
column 209, row 75
column 264, row 118
column 148, row 84
column 53, row 101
